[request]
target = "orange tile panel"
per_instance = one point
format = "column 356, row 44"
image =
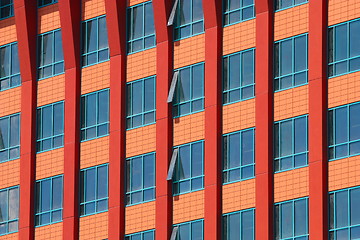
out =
column 13, row 236
column 343, row 10
column 95, row 77
column 189, row 51
column 291, row 184
column 239, row 37
column 50, row 163
column 51, row 90
column 7, row 31
column 291, row 102
column 189, row 128
column 94, row 227
column 10, row 101
column 53, row 232
column 140, row 217
column 48, row 18
column 141, row 140
column 92, row 8
column 12, row 176
column 188, row 207
column 291, row 22
column 344, row 89
column 344, row 173
column 238, row 196
column 237, row 116
column 134, row 2
column 141, row 64
column 94, row 152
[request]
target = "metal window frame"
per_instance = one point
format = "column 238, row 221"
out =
column 11, row 75
column 8, row 118
column 240, row 10
column 173, row 87
column 241, row 212
column 8, row 200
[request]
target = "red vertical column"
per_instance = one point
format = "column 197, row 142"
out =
column 164, row 121
column 26, row 28
column 70, row 18
column 116, row 24
column 213, row 118
column 264, row 119
column 318, row 159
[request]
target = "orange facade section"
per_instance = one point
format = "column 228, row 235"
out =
column 141, row 64
column 189, row 51
column 291, row 184
column 51, row 90
column 291, row 103
column 237, row 116
column 189, row 128
column 12, row 176
column 341, row 11
column 344, row 89
column 134, row 2
column 13, row 236
column 344, row 173
column 92, row 8
column 7, row 31
column 291, row 22
column 188, row 207
column 53, row 232
column 95, row 77
column 94, row 227
column 239, row 37
column 10, row 101
column 94, row 152
column 140, row 217
column 140, row 140
column 48, row 18
column 238, row 196
column 50, row 163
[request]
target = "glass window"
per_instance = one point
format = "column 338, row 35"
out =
column 291, row 143
column 94, row 115
column 291, row 220
column 141, row 102
column 95, row 46
column 94, row 190
column 50, row 126
column 9, row 137
column 238, row 76
column 284, row 4
column 193, row 230
column 49, row 200
column 43, row 3
column 146, row 235
column 9, row 210
column 236, row 11
column 6, row 9
column 239, row 225
column 9, row 66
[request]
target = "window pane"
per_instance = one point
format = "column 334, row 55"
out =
column 57, row 192
column 47, row 120
column 247, row 148
column 92, row 35
column 90, row 180
column 58, row 118
column 233, row 226
column 90, row 104
column 197, row 231
column 137, row 30
column 149, row 87
column 103, row 106
column 197, row 81
column 4, row 133
column 197, row 159
column 286, row 218
column 341, row 203
column 102, row 182
column 136, row 174
column 300, row 135
column 355, row 121
column 354, row 206
column 13, row 203
column 247, row 68
column 354, row 38
column 286, row 57
column 341, row 42
column 15, row 59
column 197, row 10
column 300, row 53
column 184, row 232
column 234, row 71
column 248, row 225
column 300, row 217
column 45, row 195
column 137, row 89
column 149, row 19
column 234, row 150
column 341, row 125
column 184, row 12
column 286, row 138
column 4, row 61
column 149, row 170
column 58, row 47
column 184, row 85
column 103, row 35
column 184, row 162
column 3, row 206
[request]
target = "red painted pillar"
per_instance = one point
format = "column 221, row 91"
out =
column 318, row 159
column 26, row 28
column 264, row 120
column 70, row 18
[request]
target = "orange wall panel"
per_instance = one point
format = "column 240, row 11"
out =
column 95, row 77
column 134, row 2
column 237, row 116
column 291, row 22
column 92, row 8
column 140, row 217
column 343, row 10
column 344, row 89
column 13, row 236
column 94, row 152
column 189, row 128
column 10, row 101
column 12, row 176
column 239, row 37
column 141, row 140
column 188, row 207
column 94, row 227
column 7, row 31
column 50, row 163
column 53, row 232
column 51, row 90
column 189, row 51
column 344, row 173
column 48, row 18
column 238, row 196
column 141, row 64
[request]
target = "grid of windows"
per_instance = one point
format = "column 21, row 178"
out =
column 50, row 126
column 238, row 76
column 49, row 200
column 140, row 179
column 344, row 214
column 291, row 143
column 189, row 19
column 239, row 157
column 6, row 9
column 95, row 46
column 9, row 66
column 291, row 220
column 94, row 117
column 141, row 102
column 9, row 210
column 189, row 168
column 146, row 235
column 9, row 137
column 94, row 190
column 291, row 62
column 141, row 30
column 189, row 92
column 43, row 3
column 236, row 11
column 239, row 225
column 284, row 4
column 193, row 230
column 344, row 48
column 344, row 131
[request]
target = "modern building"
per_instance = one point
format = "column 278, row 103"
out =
column 180, row 119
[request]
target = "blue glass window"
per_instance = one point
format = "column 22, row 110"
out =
column 94, row 115
column 189, row 19
column 239, row 225
column 344, row 48
column 291, row 62
column 236, row 11
column 193, row 230
column 43, row 3
column 344, row 131
column 140, row 179
column 189, row 92
column 141, row 102
column 284, row 4
column 94, row 190
column 50, row 126
column 9, row 66
column 291, row 220
column 51, row 58
column 9, row 210
column 141, row 27
column 6, row 9
column 49, row 200
column 95, row 48
column 146, row 235
column 9, row 137
column 291, row 143
column 238, row 76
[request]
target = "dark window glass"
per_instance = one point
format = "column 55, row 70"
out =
column 9, row 210
column 146, row 235
column 9, row 66
column 9, row 137
column 239, row 225
column 236, row 11
column 42, row 3
column 6, row 9
column 284, row 4
column 193, row 230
